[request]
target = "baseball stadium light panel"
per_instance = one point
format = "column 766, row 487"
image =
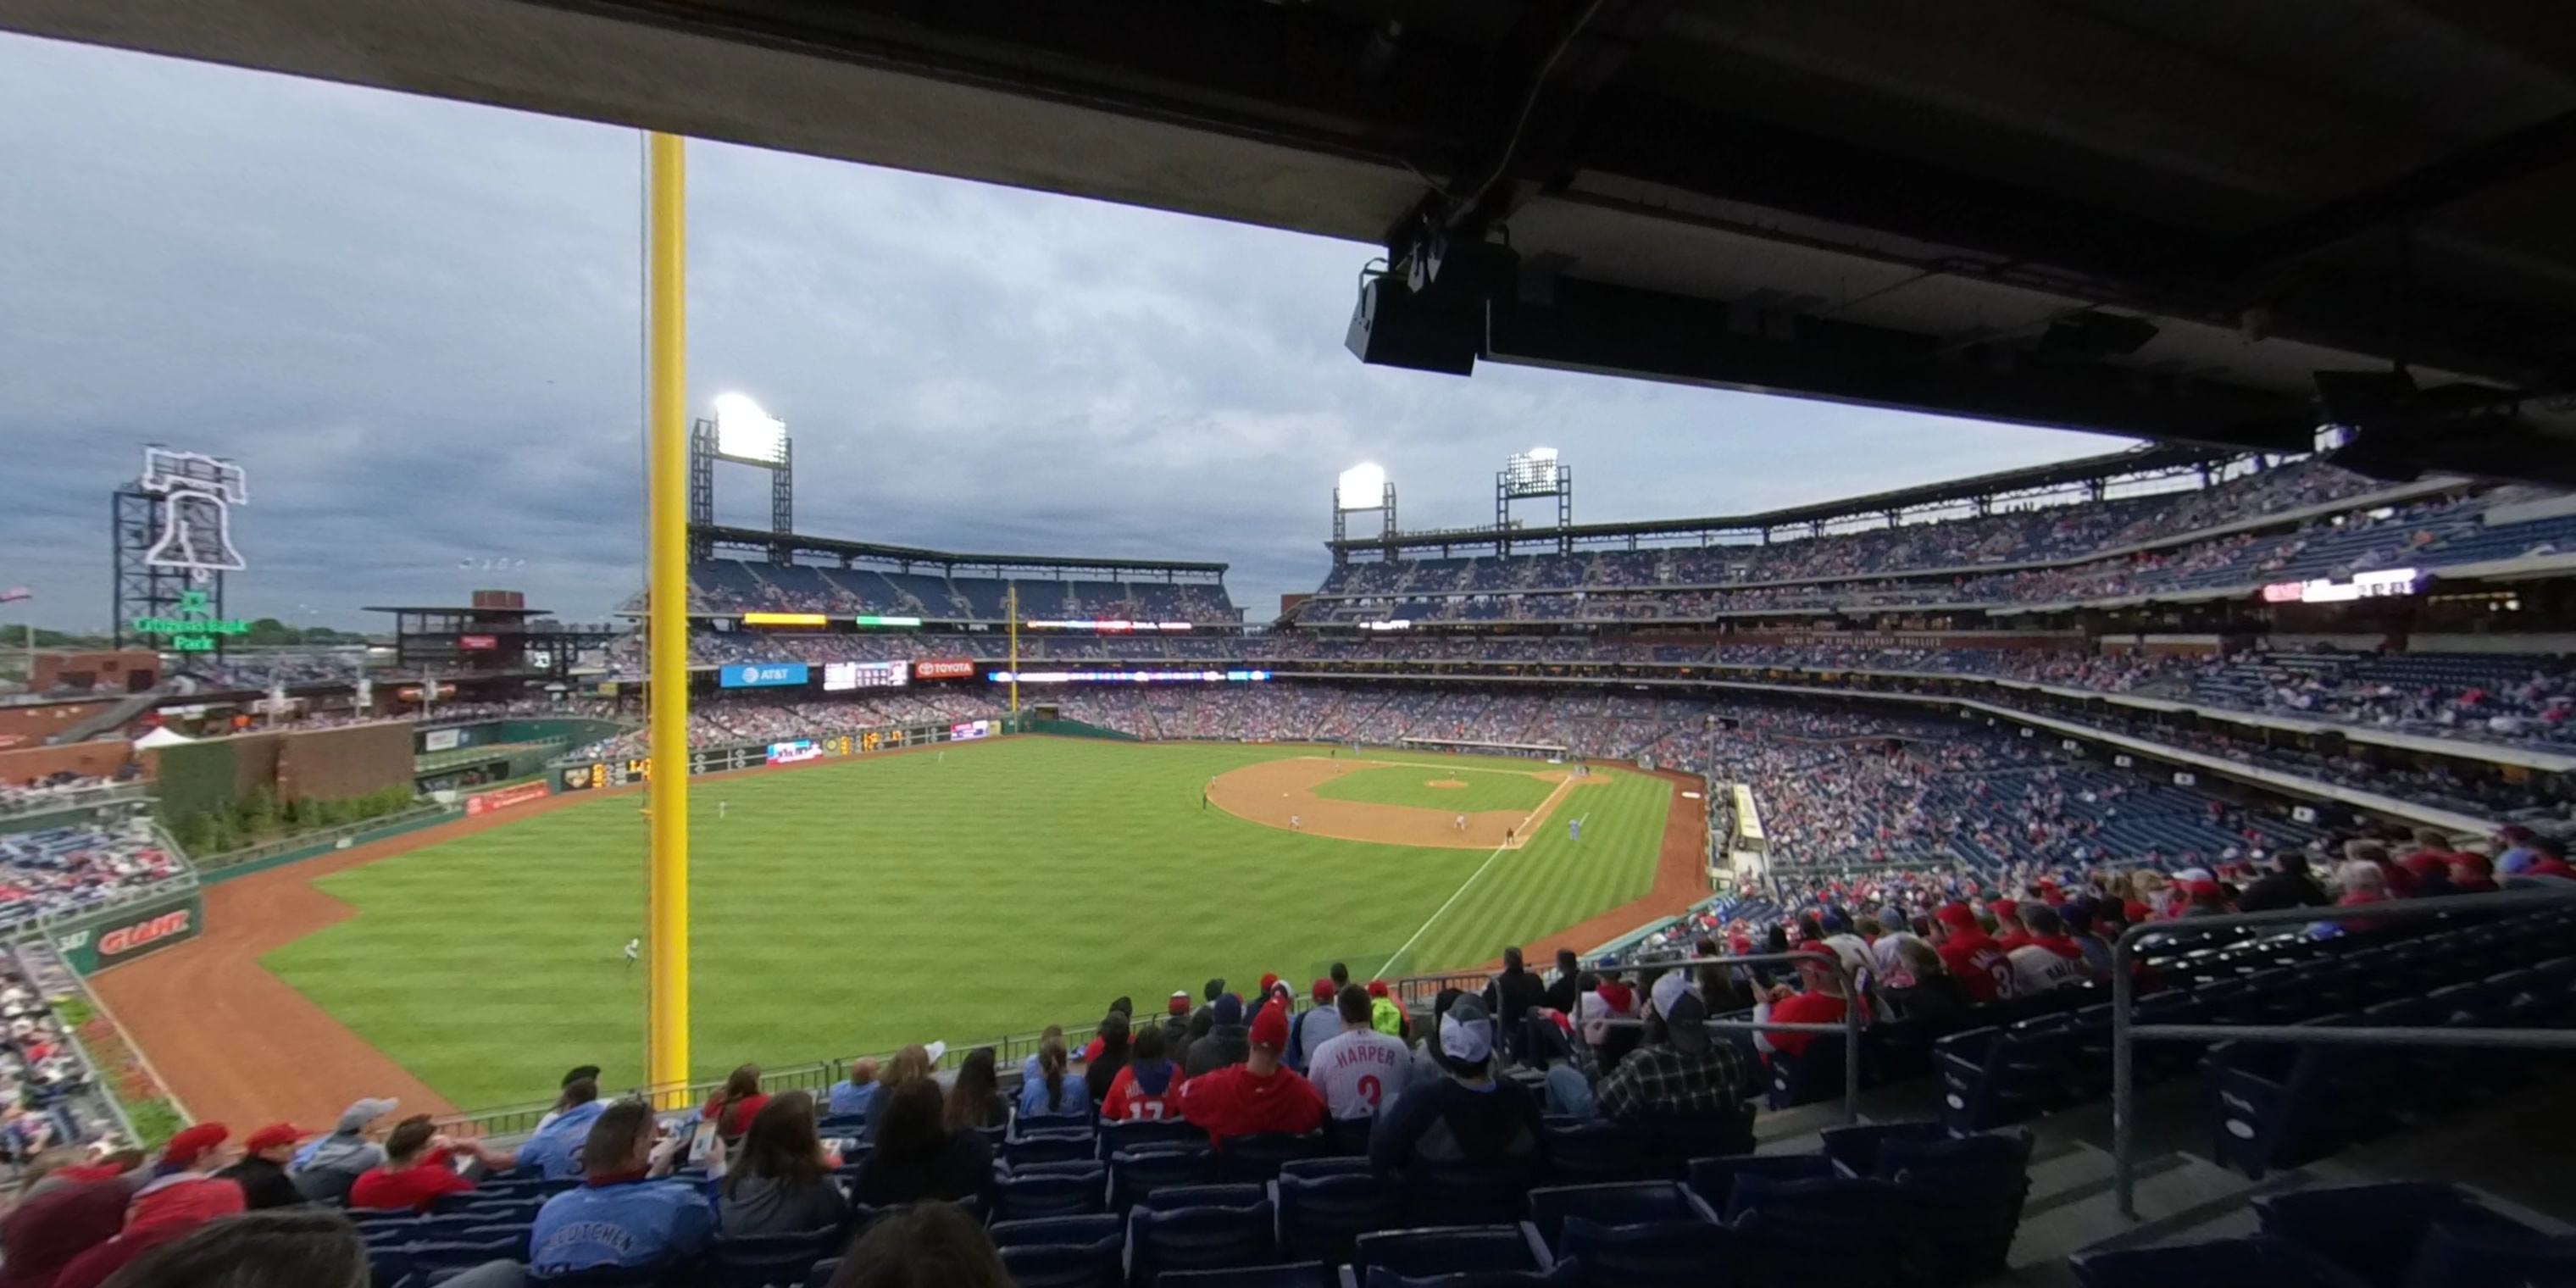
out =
column 746, row 432
column 1361, row 486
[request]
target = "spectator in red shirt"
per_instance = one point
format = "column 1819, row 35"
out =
column 417, row 1169
column 1259, row 1096
column 1147, row 1088
column 182, row 1195
column 2009, row 933
column 1818, row 1000
column 733, row 1108
column 62, row 1220
column 1982, row 967
column 2472, row 873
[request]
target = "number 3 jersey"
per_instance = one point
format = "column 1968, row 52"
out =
column 1360, row 1072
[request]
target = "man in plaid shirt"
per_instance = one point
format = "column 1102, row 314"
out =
column 1682, row 1071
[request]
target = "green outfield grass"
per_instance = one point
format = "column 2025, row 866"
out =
column 854, row 905
column 1516, row 788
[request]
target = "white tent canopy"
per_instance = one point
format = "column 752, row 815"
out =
column 163, row 736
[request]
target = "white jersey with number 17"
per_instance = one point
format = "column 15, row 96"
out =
column 1360, row 1072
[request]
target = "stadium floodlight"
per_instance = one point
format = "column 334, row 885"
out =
column 1362, row 487
column 747, row 433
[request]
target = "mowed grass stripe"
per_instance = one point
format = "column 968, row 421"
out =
column 1539, row 887
column 855, row 905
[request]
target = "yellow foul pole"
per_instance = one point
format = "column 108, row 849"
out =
column 666, row 477
column 1014, row 613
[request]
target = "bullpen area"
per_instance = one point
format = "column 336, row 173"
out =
column 853, row 905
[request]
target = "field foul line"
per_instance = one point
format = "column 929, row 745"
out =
column 1544, row 807
column 1453, row 898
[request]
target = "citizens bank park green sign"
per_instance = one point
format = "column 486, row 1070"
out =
column 120, row 936
column 196, row 627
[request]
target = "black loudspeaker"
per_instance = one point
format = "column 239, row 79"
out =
column 1435, row 330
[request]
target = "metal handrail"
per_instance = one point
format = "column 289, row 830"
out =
column 2125, row 1031
column 1854, row 1005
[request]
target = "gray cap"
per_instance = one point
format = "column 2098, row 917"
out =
column 357, row 1116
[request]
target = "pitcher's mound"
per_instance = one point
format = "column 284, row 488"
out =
column 1443, row 782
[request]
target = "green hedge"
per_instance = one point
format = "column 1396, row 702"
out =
column 261, row 817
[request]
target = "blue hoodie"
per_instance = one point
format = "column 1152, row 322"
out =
column 629, row 1224
column 554, row 1150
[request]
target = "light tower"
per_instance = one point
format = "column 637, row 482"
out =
column 1528, row 476
column 739, row 431
column 1362, row 488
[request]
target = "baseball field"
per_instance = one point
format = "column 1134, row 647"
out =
column 848, row 906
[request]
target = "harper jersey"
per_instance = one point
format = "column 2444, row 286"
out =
column 1360, row 1072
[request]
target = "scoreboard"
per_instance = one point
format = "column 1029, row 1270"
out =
column 840, row 677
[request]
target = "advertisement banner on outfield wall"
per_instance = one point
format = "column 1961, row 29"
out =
column 944, row 668
column 581, row 778
column 504, row 798
column 129, row 933
column 439, row 740
column 970, row 729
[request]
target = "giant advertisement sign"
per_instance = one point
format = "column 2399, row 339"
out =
column 944, row 668
column 970, row 729
column 2364, row 585
column 504, row 797
column 761, row 675
column 129, row 933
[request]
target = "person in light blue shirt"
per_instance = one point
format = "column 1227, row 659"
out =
column 628, row 1213
column 1055, row 1092
column 850, row 1099
column 553, row 1150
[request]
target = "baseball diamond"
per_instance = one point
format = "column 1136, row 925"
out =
column 828, row 895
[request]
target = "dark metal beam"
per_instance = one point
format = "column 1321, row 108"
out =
column 1648, row 334
column 2503, row 159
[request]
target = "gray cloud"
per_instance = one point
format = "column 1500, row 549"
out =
column 417, row 325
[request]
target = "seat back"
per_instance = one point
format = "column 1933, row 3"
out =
column 1443, row 1250
column 1686, row 1252
column 2258, row 1262
column 1066, row 1265
column 1618, row 1204
column 1258, row 1158
column 1297, row 1274
column 1321, row 1216
column 1196, row 1238
column 1087, row 1229
column 1128, row 1136
column 1049, row 1147
column 1565, row 1274
column 1714, row 1179
column 1439, row 1193
column 1135, row 1174
column 1224, row 1195
column 771, row 1260
column 1064, row 1189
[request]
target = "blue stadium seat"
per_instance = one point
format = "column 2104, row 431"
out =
column 2227, row 1263
column 1134, row 1174
column 1059, row 1230
column 1049, row 1147
column 1815, row 1073
column 1196, row 1238
column 1258, row 1158
column 2454, row 1256
column 1312, row 1168
column 1098, row 1264
column 1448, row 1250
column 1680, row 1253
column 606, row 1277
column 1064, row 1189
column 1129, row 1136
column 518, row 1232
column 455, row 1254
column 1615, row 1204
column 1792, row 1226
column 1320, row 1216
column 771, row 1260
column 1565, row 1274
column 1713, row 1179
column 1998, row 1075
column 1297, row 1274
column 1596, row 1152
column 1465, row 1194
column 1226, row 1194
column 1854, row 1150
column 2375, row 1231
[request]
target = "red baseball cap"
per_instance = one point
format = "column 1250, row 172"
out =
column 1956, row 916
column 1323, row 990
column 1270, row 1027
column 274, row 1135
column 1179, row 1005
column 1267, row 980
column 1377, row 988
column 195, row 1143
column 2004, row 909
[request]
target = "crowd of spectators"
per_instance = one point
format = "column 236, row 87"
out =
column 734, row 721
column 61, row 789
column 60, row 870
column 42, row 1075
column 720, row 586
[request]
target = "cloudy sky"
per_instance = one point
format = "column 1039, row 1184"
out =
column 416, row 325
